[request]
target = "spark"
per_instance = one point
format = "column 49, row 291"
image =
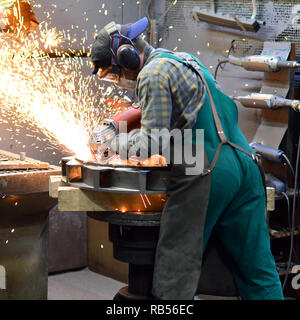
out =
column 147, row 199
column 144, row 203
column 52, row 94
column 51, row 38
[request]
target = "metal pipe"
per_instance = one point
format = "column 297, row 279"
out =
column 213, row 6
column 254, row 10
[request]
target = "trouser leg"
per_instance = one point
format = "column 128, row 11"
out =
column 179, row 250
column 243, row 230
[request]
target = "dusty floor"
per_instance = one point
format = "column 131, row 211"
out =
column 87, row 285
column 82, row 285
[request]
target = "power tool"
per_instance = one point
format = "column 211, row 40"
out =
column 263, row 63
column 267, row 101
column 123, row 122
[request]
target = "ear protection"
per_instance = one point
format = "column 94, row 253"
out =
column 126, row 55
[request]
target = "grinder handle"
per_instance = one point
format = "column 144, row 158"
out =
column 132, row 116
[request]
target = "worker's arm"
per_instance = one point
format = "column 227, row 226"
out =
column 155, row 101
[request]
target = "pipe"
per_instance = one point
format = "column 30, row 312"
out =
column 254, row 10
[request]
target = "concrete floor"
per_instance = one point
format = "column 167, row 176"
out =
column 82, row 285
column 87, row 285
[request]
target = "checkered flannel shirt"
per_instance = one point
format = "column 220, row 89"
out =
column 170, row 95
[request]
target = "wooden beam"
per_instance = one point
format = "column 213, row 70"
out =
column 54, row 183
column 74, row 199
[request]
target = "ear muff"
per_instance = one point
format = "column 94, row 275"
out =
column 128, row 57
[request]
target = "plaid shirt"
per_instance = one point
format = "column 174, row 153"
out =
column 170, row 96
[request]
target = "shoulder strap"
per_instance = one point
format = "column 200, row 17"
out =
column 220, row 131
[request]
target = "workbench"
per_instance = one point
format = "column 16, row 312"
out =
column 24, row 209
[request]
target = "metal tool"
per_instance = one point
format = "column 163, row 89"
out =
column 267, row 101
column 262, row 63
column 267, row 153
column 125, row 121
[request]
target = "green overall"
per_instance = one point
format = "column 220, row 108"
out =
column 235, row 206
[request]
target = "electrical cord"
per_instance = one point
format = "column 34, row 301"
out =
column 218, row 66
column 289, row 219
column 148, row 9
column 288, row 208
column 293, row 215
column 289, row 164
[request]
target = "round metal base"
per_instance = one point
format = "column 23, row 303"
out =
column 123, row 294
column 142, row 219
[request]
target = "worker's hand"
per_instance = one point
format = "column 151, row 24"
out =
column 296, row 105
column 104, row 151
column 21, row 18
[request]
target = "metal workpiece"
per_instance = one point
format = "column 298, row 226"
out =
column 267, row 101
column 117, row 179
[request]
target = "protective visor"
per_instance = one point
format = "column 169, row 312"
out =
column 107, row 74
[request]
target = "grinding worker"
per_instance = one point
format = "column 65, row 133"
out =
column 176, row 91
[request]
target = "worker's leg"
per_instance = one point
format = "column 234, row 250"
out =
column 243, row 230
column 178, row 255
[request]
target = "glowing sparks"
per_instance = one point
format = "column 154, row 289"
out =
column 51, row 93
column 51, row 38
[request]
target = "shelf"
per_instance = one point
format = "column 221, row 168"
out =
column 277, row 234
column 281, row 268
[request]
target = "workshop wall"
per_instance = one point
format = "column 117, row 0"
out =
column 211, row 43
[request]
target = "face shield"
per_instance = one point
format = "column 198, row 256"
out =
column 119, row 79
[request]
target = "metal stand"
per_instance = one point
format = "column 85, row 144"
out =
column 134, row 237
column 24, row 246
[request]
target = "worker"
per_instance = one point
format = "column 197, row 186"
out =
column 176, row 91
column 18, row 17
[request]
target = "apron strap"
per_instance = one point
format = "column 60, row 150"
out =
column 220, row 131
